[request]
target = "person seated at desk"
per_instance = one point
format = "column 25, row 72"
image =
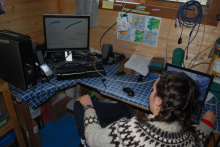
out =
column 172, row 102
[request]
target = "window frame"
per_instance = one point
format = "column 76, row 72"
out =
column 169, row 2
column 168, row 9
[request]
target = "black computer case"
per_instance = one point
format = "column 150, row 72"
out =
column 17, row 59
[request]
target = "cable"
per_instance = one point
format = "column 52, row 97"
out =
column 199, row 64
column 116, row 23
column 200, row 44
column 215, row 99
column 200, row 53
column 189, row 22
column 111, row 72
column 120, row 80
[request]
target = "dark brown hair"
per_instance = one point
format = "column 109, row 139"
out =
column 179, row 94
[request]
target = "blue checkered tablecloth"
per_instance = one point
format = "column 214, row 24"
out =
column 112, row 86
column 35, row 96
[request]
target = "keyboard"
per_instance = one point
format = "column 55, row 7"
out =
column 79, row 71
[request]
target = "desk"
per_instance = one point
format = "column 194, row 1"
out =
column 112, row 89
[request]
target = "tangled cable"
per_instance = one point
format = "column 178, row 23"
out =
column 189, row 22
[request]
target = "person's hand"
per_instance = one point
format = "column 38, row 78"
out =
column 210, row 116
column 85, row 100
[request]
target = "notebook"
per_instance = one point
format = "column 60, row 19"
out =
column 204, row 82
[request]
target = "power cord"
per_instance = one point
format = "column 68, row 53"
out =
column 200, row 53
column 196, row 57
column 120, row 80
column 189, row 22
column 215, row 99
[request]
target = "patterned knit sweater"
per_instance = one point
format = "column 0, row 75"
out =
column 127, row 132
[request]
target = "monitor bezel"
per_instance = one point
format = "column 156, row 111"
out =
column 196, row 72
column 66, row 16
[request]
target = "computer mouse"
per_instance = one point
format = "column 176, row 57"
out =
column 129, row 91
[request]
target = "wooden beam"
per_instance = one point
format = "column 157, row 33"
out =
column 60, row 6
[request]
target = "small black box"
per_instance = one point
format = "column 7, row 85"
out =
column 39, row 121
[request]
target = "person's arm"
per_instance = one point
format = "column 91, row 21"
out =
column 206, row 126
column 95, row 135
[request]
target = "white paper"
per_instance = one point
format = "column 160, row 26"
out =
column 122, row 23
column 139, row 64
column 119, row 21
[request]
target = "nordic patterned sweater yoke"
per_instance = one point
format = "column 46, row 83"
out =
column 128, row 132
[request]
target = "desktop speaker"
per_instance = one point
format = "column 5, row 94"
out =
column 107, row 51
column 39, row 57
column 17, row 59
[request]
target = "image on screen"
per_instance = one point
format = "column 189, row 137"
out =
column 202, row 81
column 66, row 32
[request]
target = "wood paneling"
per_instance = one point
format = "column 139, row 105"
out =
column 166, row 10
column 108, row 17
column 25, row 16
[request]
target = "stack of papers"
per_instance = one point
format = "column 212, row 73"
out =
column 139, row 63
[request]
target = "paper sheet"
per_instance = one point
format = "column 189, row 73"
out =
column 107, row 4
column 138, row 63
column 122, row 24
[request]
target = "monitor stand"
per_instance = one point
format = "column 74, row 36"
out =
column 69, row 59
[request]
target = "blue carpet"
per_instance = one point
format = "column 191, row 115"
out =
column 63, row 133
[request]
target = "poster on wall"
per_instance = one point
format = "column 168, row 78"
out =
column 140, row 29
column 2, row 7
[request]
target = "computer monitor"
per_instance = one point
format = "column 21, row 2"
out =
column 203, row 81
column 66, row 33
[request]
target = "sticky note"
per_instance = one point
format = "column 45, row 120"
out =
column 107, row 4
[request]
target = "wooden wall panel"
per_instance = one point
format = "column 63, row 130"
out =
column 108, row 18
column 25, row 16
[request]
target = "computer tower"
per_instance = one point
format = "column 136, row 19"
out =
column 17, row 59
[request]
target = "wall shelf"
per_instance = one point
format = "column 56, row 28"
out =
column 5, row 98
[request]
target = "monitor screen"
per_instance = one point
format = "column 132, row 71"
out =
column 203, row 80
column 66, row 32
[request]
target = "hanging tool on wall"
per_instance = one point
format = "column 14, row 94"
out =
column 187, row 22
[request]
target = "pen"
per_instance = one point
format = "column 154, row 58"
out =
column 92, row 95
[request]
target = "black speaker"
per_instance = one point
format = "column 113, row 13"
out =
column 39, row 57
column 107, row 51
column 17, row 59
